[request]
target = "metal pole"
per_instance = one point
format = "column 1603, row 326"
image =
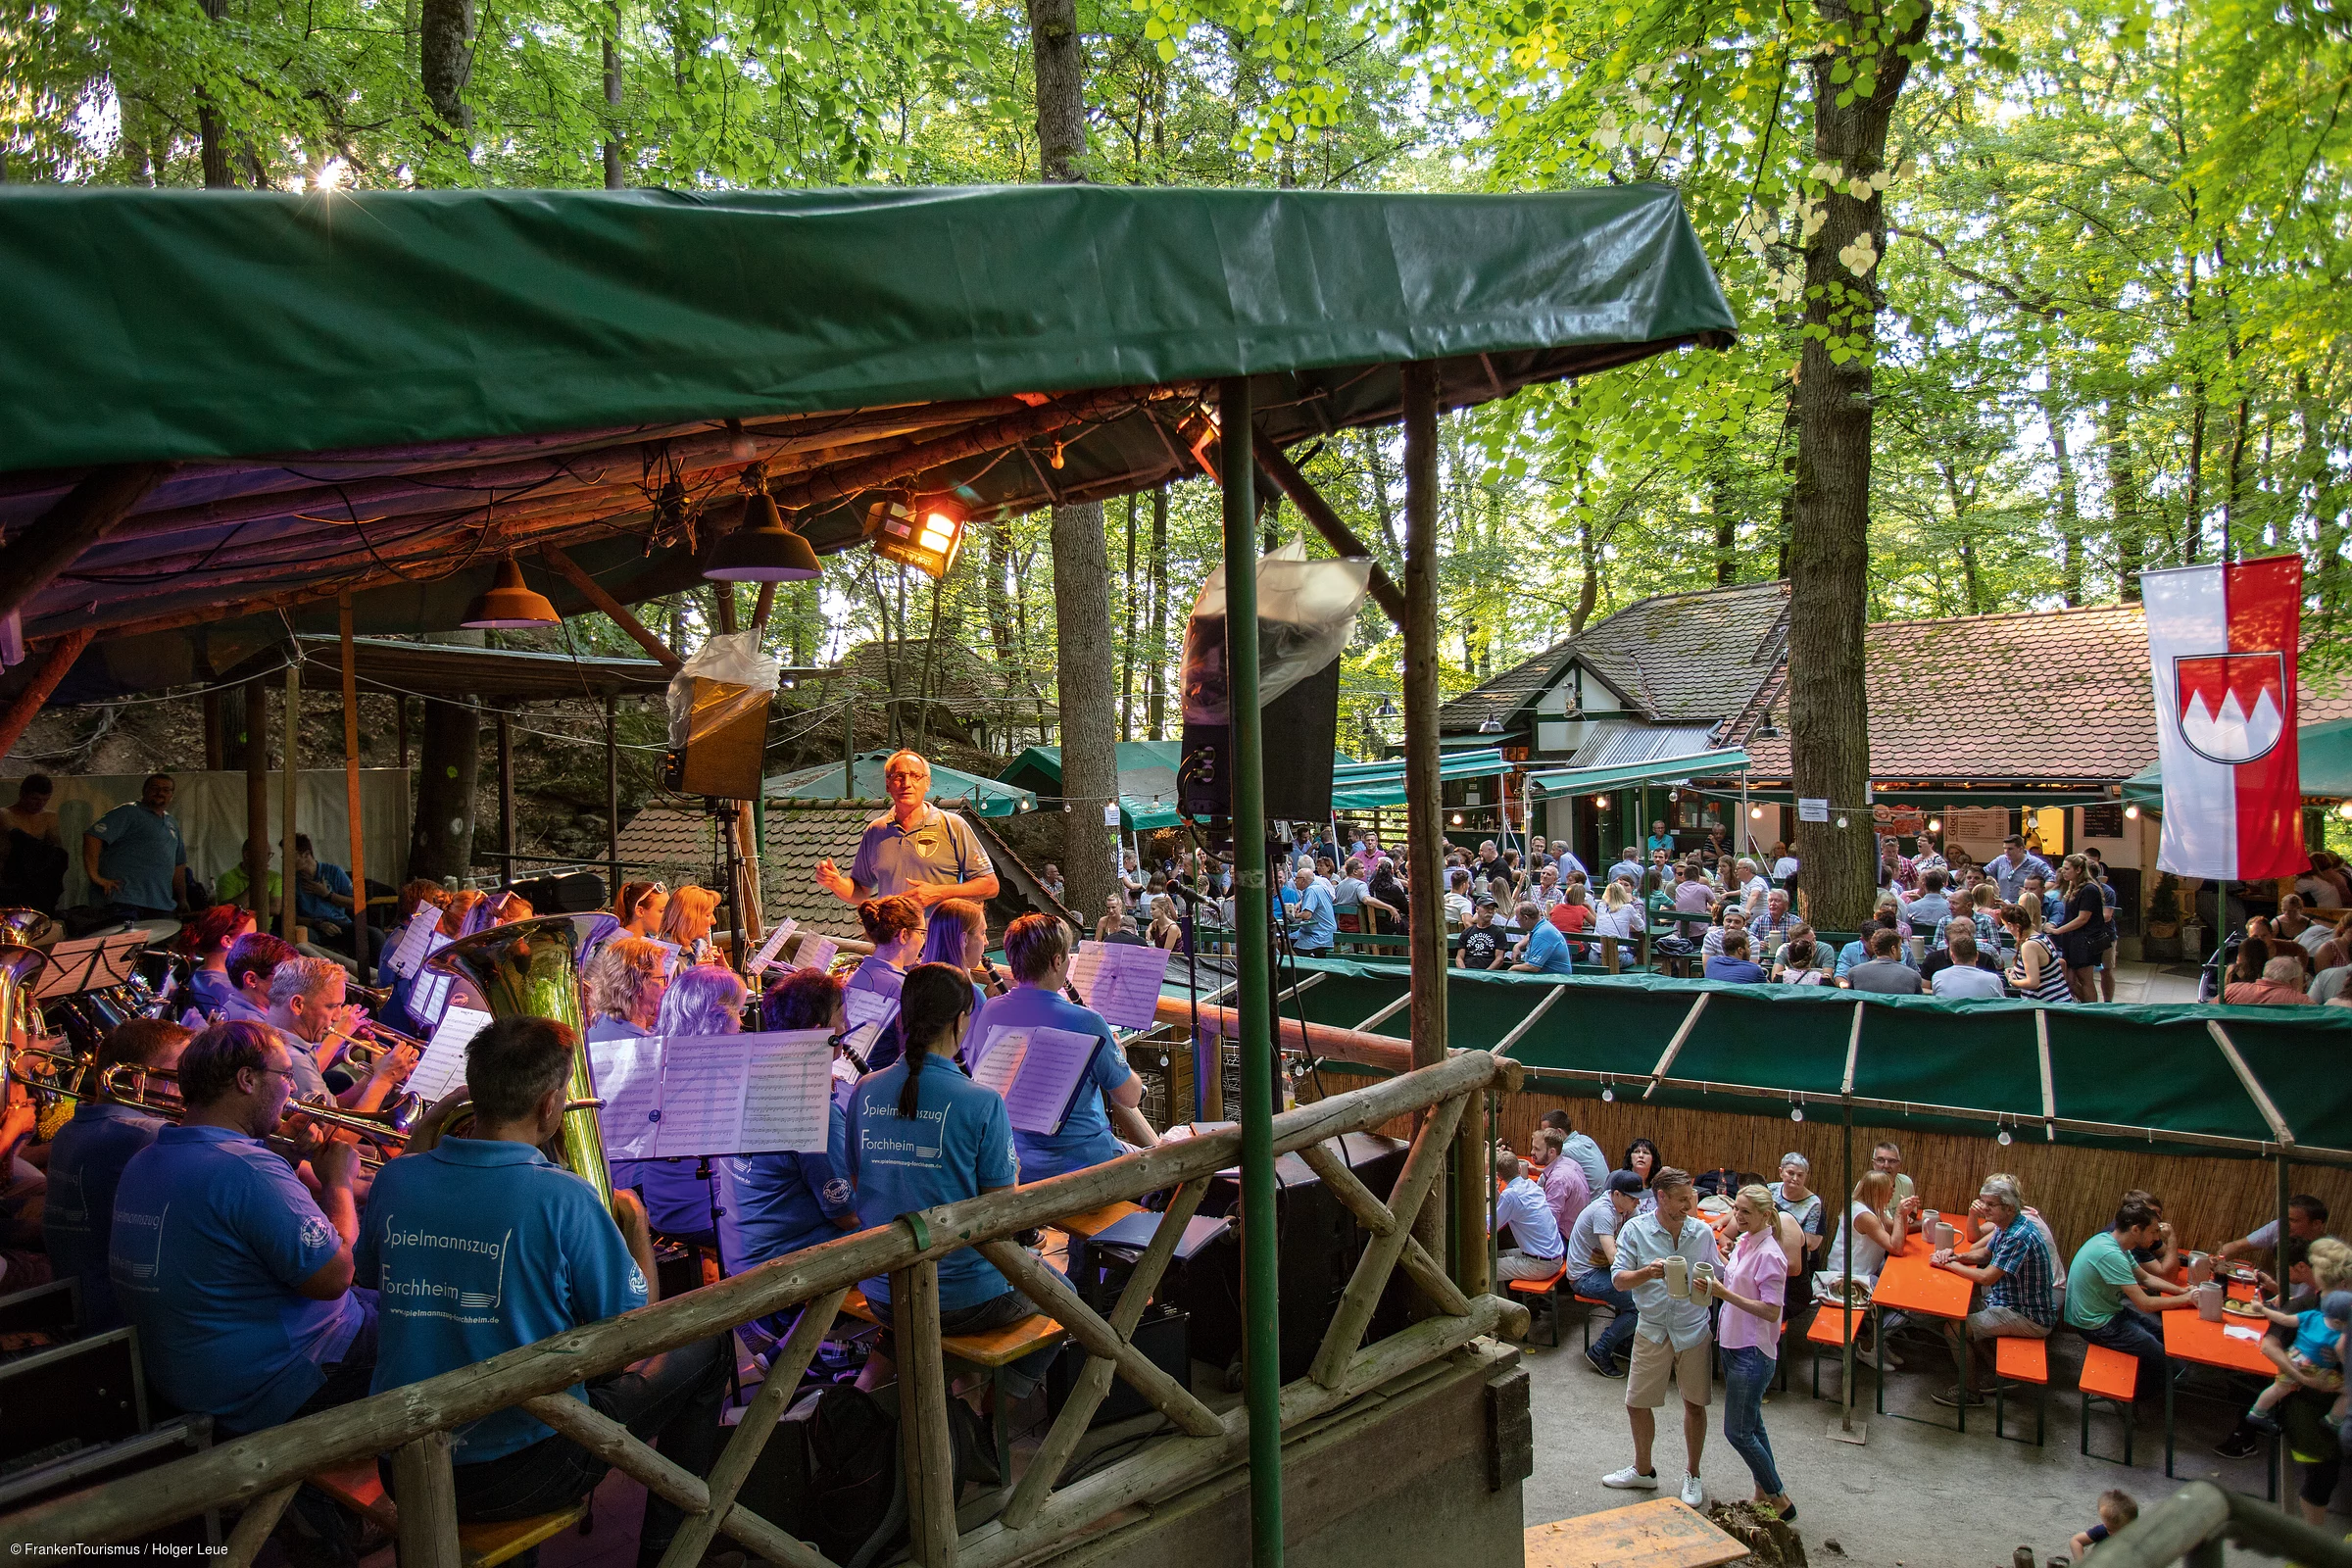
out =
column 293, row 756
column 1261, row 1359
column 351, row 793
column 506, row 798
column 1464, row 1202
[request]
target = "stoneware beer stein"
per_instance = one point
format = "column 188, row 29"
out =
column 2209, row 1296
column 1677, row 1278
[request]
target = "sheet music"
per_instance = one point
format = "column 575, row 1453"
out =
column 430, row 998
column 672, row 955
column 88, row 965
column 442, row 1067
column 1037, row 1071
column 788, row 1092
column 416, row 941
column 770, row 948
column 628, row 1079
column 869, row 1013
column 815, row 952
column 1120, row 980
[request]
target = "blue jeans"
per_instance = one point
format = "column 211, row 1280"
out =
column 1747, row 1374
column 1596, row 1284
column 2136, row 1334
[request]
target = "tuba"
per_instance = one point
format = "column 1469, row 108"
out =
column 19, row 962
column 531, row 969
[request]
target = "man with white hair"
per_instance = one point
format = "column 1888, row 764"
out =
column 2281, row 986
column 1770, row 929
column 2017, row 1300
column 1314, row 915
column 914, row 848
column 305, row 1007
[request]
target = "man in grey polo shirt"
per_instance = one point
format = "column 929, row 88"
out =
column 913, row 849
column 1671, row 1334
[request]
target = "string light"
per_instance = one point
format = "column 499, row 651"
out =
column 2131, row 813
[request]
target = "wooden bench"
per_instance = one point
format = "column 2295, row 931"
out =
column 1828, row 1331
column 361, row 1488
column 1097, row 1219
column 2110, row 1376
column 2017, row 1359
column 991, row 1352
column 1547, row 1290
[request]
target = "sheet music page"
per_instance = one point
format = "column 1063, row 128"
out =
column 868, row 1013
column 815, row 952
column 430, row 998
column 414, row 941
column 672, row 955
column 1001, row 1056
column 1121, row 981
column 1046, row 1079
column 786, row 1090
column 628, row 1080
column 702, row 1095
column 770, row 948
column 442, row 1067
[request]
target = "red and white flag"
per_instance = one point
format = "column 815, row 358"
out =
column 2221, row 646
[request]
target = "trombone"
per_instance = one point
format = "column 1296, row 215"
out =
column 363, row 1045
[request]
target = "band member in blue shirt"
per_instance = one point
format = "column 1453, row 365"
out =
column 770, row 1204
column 86, row 1160
column 897, row 928
column 239, row 1284
column 1037, row 949
column 479, row 1245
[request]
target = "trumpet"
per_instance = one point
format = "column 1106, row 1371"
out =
column 364, row 1045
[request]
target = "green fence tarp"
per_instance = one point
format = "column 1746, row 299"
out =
column 1371, row 786
column 1926, row 1056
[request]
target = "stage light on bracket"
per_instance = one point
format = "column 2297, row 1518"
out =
column 2132, row 813
column 925, row 536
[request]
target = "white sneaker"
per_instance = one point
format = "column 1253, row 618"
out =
column 1695, row 1496
column 1630, row 1479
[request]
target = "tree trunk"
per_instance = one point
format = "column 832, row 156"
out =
column 1127, row 640
column 1829, row 545
column 1083, row 665
column 616, row 175
column 1380, row 495
column 2070, row 511
column 2192, row 516
column 1157, row 681
column 448, row 773
column 210, row 130
column 445, row 59
column 1588, row 587
column 2123, row 501
column 1727, row 521
column 1061, row 64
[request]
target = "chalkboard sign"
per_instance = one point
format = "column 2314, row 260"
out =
column 2102, row 822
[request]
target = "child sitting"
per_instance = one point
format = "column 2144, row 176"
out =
column 2116, row 1510
column 2317, row 1355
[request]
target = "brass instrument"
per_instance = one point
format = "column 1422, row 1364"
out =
column 531, row 969
column 53, row 1078
column 364, row 1045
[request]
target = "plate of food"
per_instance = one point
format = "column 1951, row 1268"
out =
column 2240, row 1309
column 2243, row 1273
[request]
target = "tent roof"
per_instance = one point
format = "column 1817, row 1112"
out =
column 1369, row 786
column 950, row 786
column 429, row 669
column 2324, row 752
column 1658, row 770
column 371, row 391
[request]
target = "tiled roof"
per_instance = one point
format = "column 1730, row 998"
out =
column 1692, row 658
column 2057, row 694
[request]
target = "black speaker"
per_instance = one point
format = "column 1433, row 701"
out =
column 1300, row 728
column 1317, row 1243
column 1162, row 1337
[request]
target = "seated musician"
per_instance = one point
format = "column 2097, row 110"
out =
column 238, row 1282
column 623, row 984
column 896, row 929
column 87, row 1160
column 956, row 932
column 686, row 922
column 307, row 1008
column 1036, row 949
column 413, row 896
column 252, row 959
column 706, row 998
column 479, row 1244
column 207, row 941
column 921, row 1134
column 640, row 907
column 770, row 1204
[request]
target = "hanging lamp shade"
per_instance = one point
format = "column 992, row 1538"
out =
column 510, row 604
column 761, row 548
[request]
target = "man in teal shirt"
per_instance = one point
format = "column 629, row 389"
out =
column 135, row 856
column 2106, row 1301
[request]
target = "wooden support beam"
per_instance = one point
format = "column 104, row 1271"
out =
column 620, row 1449
column 254, row 1525
column 1065, row 1306
column 1423, row 1167
column 506, row 798
column 351, row 790
column 926, row 1457
column 427, row 1490
column 611, row 795
column 257, row 800
column 56, row 660
column 290, row 779
column 614, row 610
column 1376, row 1217
column 765, row 607
column 1327, row 523
column 45, row 547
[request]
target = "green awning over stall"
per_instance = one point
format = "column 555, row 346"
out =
column 1371, row 786
column 1657, row 771
column 2324, row 752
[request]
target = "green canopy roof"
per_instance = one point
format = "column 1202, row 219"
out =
column 1369, row 786
column 983, row 796
column 2324, row 752
column 1657, row 771
column 1147, row 780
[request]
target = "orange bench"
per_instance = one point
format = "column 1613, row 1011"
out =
column 991, row 1353
column 1547, row 1290
column 1829, row 1331
column 2017, row 1359
column 361, row 1488
column 2113, row 1378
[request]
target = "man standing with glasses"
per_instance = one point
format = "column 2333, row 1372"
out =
column 913, row 849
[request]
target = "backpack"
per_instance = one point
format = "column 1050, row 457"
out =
column 854, row 1486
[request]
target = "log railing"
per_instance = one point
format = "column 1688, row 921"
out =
column 260, row 1472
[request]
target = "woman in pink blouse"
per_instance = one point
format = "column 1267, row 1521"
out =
column 1750, row 1332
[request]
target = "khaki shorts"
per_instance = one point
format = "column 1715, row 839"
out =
column 1693, row 1371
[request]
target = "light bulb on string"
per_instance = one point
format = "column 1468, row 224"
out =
column 1608, row 1094
column 1841, row 821
column 2002, row 1138
column 1796, row 1113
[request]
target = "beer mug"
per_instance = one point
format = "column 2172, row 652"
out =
column 1677, row 1278
column 2209, row 1298
column 1940, row 1236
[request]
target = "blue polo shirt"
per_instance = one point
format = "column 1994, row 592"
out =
column 1547, row 950
column 879, row 974
column 770, row 1204
column 208, row 993
column 1318, row 920
column 318, row 910
column 85, row 1167
column 1086, row 1137
column 959, row 1143
column 477, row 1247
column 212, row 1233
column 142, row 849
column 935, row 848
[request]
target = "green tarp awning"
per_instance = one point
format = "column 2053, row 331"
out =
column 1147, row 780
column 1370, row 786
column 1657, row 771
column 2323, row 753
column 983, row 796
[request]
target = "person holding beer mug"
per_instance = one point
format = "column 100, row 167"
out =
column 1666, row 1262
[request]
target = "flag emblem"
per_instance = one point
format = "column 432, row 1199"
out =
column 2232, row 707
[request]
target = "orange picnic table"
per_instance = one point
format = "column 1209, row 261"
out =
column 2190, row 1337
column 1909, row 1283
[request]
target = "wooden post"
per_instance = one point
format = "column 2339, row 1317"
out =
column 593, row 592
column 257, row 800
column 56, row 660
column 293, row 777
column 351, row 792
column 923, row 1450
column 400, row 728
column 255, row 1524
column 86, row 513
column 426, row 1491
column 1424, row 794
column 506, row 798
column 613, row 794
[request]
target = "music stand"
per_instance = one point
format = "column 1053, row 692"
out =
column 91, row 963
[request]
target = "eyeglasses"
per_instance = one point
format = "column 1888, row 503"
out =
column 286, row 1073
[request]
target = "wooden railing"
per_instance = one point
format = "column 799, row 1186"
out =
column 413, row 1424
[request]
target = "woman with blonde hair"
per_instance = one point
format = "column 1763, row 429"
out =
column 2037, row 974
column 1748, row 1331
column 640, row 907
column 1873, row 1227
column 1166, row 931
column 686, row 923
column 623, row 984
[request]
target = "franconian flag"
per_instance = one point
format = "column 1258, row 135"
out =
column 2221, row 645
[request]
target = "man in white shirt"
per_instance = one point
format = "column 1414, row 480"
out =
column 1535, row 1230
column 1672, row 1335
column 1961, row 978
column 1565, row 858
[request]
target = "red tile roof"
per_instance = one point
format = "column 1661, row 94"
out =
column 2039, row 695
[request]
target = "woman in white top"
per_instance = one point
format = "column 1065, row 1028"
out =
column 1620, row 914
column 1868, row 1234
